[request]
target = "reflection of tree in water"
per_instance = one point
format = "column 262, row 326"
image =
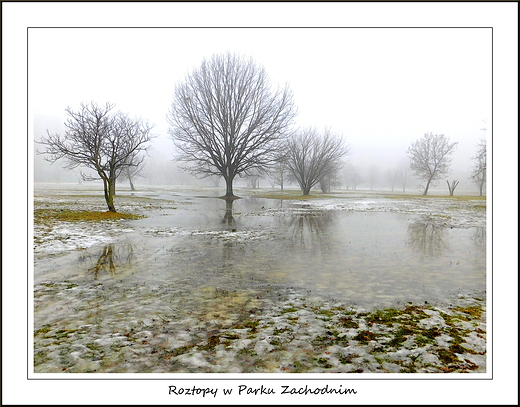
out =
column 228, row 217
column 309, row 230
column 479, row 237
column 427, row 236
column 109, row 260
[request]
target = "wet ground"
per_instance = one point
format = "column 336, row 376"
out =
column 267, row 285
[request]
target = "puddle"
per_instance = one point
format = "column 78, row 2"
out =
column 362, row 258
column 158, row 294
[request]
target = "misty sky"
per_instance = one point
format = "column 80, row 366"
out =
column 380, row 88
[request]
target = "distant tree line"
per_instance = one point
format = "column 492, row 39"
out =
column 226, row 121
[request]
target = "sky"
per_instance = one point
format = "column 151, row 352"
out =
column 380, row 88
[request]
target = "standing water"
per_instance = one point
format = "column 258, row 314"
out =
column 204, row 262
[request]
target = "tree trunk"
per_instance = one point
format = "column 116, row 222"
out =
column 229, row 188
column 325, row 185
column 452, row 187
column 130, row 179
column 427, row 186
column 110, row 191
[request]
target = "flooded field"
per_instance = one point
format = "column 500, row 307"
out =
column 259, row 285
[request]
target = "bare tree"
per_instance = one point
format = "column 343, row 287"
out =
column 278, row 174
column 330, row 176
column 430, row 157
column 96, row 138
column 452, row 186
column 253, row 179
column 392, row 176
column 404, row 167
column 352, row 176
column 133, row 170
column 373, row 175
column 311, row 156
column 479, row 170
column 225, row 119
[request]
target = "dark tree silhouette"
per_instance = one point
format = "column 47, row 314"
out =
column 101, row 140
column 226, row 121
column 312, row 156
column 452, row 186
column 133, row 170
column 430, row 158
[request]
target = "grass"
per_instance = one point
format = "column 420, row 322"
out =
column 295, row 194
column 77, row 216
column 454, row 197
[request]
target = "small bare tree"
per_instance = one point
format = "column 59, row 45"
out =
column 452, row 186
column 330, row 177
column 96, row 138
column 404, row 167
column 351, row 176
column 253, row 179
column 479, row 170
column 133, row 170
column 311, row 156
column 225, row 119
column 373, row 175
column 278, row 173
column 430, row 158
column 392, row 176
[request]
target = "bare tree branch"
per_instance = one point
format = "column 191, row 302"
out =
column 313, row 156
column 226, row 121
column 480, row 168
column 98, row 139
column 430, row 157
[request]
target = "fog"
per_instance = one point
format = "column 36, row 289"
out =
column 381, row 89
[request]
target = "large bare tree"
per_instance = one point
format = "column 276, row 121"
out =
column 479, row 170
column 312, row 155
column 226, row 120
column 430, row 157
column 100, row 140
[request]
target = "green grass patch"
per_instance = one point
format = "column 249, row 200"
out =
column 454, row 197
column 325, row 312
column 473, row 312
column 285, row 311
column 75, row 216
column 365, row 336
column 43, row 330
column 348, row 322
column 180, row 351
column 212, row 342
